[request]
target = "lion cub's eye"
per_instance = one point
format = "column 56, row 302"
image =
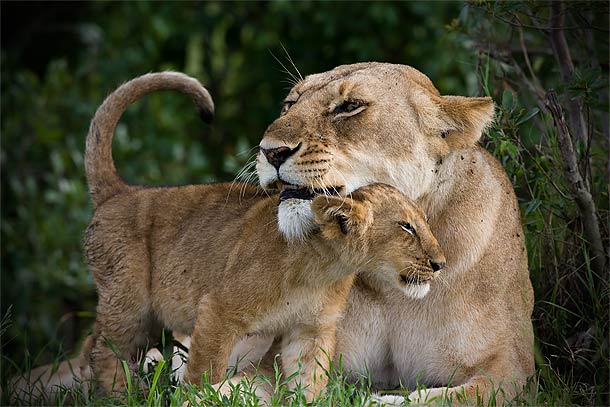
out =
column 349, row 108
column 407, row 227
column 286, row 106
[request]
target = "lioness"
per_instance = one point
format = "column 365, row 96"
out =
column 219, row 248
column 376, row 122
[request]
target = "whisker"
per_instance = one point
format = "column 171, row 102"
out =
column 247, row 167
column 290, row 82
column 333, row 167
column 344, row 160
column 323, row 186
column 247, row 181
column 442, row 279
column 247, row 151
column 291, row 61
column 294, row 78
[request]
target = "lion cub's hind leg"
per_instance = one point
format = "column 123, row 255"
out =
column 124, row 319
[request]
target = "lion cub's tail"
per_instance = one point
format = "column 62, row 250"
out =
column 102, row 176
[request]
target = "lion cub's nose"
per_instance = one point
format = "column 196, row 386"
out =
column 277, row 156
column 436, row 266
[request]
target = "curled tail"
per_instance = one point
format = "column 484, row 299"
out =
column 102, row 176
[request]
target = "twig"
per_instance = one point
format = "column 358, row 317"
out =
column 582, row 195
column 566, row 71
column 526, row 57
column 546, row 175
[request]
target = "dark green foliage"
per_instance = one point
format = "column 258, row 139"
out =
column 60, row 60
column 571, row 313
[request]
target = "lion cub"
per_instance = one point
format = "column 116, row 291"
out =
column 209, row 259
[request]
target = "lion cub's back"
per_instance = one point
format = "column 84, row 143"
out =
column 157, row 224
column 180, row 236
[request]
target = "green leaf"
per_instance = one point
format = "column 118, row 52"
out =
column 528, row 116
column 153, row 388
column 508, row 147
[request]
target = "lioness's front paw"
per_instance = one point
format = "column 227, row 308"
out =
column 427, row 396
column 387, row 400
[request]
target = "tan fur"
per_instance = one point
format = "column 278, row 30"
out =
column 475, row 324
column 219, row 249
column 44, row 383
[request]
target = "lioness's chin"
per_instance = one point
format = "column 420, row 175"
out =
column 295, row 219
column 416, row 291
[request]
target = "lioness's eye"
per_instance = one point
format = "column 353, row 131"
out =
column 407, row 227
column 286, row 106
column 347, row 106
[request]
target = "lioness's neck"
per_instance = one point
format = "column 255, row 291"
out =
column 453, row 206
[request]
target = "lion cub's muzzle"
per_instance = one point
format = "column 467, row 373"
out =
column 421, row 273
column 416, row 279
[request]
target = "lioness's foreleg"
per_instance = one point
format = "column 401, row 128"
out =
column 213, row 338
column 478, row 389
column 309, row 350
column 486, row 384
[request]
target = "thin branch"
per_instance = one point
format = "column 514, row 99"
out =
column 566, row 71
column 582, row 195
column 527, row 58
column 551, row 27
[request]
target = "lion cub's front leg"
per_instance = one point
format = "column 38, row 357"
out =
column 213, row 339
column 309, row 350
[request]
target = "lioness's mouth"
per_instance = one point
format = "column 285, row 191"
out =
column 290, row 191
column 300, row 193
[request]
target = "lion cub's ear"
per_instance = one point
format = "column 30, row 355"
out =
column 339, row 217
column 466, row 119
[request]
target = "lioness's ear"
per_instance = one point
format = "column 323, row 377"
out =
column 338, row 216
column 466, row 119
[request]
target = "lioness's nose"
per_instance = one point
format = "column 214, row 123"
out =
column 436, row 266
column 277, row 156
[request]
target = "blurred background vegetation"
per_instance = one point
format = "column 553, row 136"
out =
column 59, row 60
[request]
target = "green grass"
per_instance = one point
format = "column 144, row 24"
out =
column 157, row 386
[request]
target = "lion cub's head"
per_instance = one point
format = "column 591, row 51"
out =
column 378, row 227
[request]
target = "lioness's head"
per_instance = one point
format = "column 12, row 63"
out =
column 379, row 228
column 365, row 123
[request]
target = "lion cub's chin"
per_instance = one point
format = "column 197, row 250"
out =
column 295, row 219
column 416, row 291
